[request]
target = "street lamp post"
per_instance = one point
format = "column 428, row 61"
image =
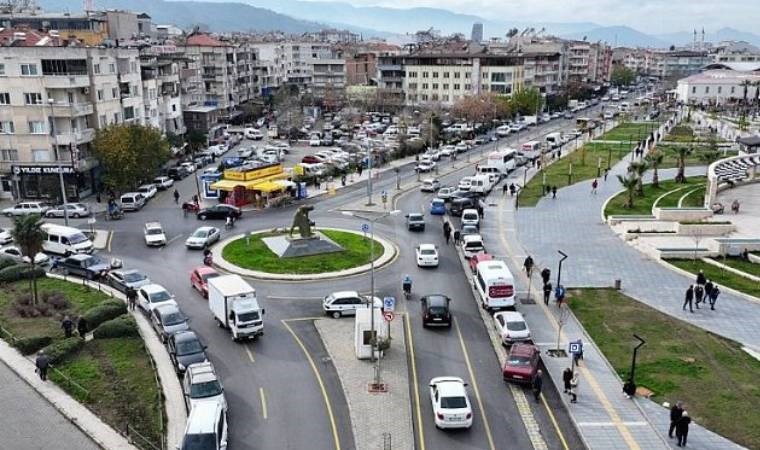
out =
column 369, row 173
column 51, row 101
column 559, row 269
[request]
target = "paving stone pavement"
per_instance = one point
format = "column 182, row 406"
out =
column 29, row 422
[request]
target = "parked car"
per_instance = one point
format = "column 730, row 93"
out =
column 6, row 236
column 189, row 166
column 451, row 406
column 177, row 173
column 206, row 427
column 74, row 210
column 163, row 183
column 437, row 207
column 154, row 234
column 345, row 303
column 427, row 255
column 203, row 237
column 415, row 221
column 199, row 279
column 521, row 364
column 151, row 296
column 201, row 384
column 220, row 211
column 167, row 320
column 471, row 217
column 25, row 208
column 472, row 244
column 86, row 266
column 459, row 205
column 132, row 201
column 15, row 254
column 123, row 279
column 511, row 327
column 184, row 349
column 435, row 310
column 468, row 230
column 148, row 191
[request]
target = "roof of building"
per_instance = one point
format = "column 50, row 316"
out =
column 750, row 141
column 720, row 77
column 204, row 40
column 27, row 37
column 736, row 66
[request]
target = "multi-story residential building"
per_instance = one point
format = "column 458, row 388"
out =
column 578, row 60
column 390, row 80
column 52, row 99
column 734, row 51
column 361, row 69
column 665, row 63
column 160, row 66
column 91, row 29
column 328, row 72
column 333, row 36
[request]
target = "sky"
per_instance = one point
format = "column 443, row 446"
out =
column 649, row 16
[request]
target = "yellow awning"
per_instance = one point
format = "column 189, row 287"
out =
column 252, row 185
column 268, row 186
column 227, row 185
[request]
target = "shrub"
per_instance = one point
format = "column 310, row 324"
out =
column 24, row 299
column 60, row 350
column 57, row 301
column 6, row 262
column 107, row 310
column 20, row 272
column 122, row 326
column 29, row 345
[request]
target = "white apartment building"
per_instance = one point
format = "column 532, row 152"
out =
column 160, row 68
column 717, row 87
column 52, row 99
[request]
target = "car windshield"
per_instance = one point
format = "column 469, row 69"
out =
column 154, row 231
column 518, row 360
column 132, row 277
column 208, row 276
column 160, row 296
column 437, row 310
column 188, row 347
column 247, row 317
column 200, row 233
column 453, row 402
column 429, row 252
column 206, row 389
column 516, row 326
column 89, row 262
column 77, row 238
column 174, row 319
column 201, row 441
column 415, row 217
column 474, row 245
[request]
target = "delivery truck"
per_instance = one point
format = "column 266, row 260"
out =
column 235, row 307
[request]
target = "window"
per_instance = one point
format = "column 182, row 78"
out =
column 7, row 127
column 129, row 113
column 707, row 89
column 445, row 98
column 5, row 98
column 101, row 95
column 720, row 89
column 116, row 117
column 32, row 98
column 435, row 74
column 412, row 85
column 36, row 127
column 96, row 69
column 694, row 90
column 412, row 74
column 28, row 70
column 114, row 93
column 435, row 85
column 41, row 155
column 457, row 86
column 445, row 86
column 445, row 74
column 498, row 77
column 733, row 89
column 102, row 121
column 425, row 75
column 456, row 75
column 467, row 87
column 8, row 154
column 111, row 68
column 467, row 75
column 424, row 85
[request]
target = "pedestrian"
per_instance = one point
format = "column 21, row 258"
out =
column 67, row 326
column 82, row 326
column 359, row 170
column 547, row 292
column 594, row 185
column 554, row 191
column 528, row 265
column 176, row 197
column 699, row 293
column 714, row 292
column 538, row 383
column 131, row 298
column 675, row 415
column 512, row 189
column 343, row 180
column 708, row 290
column 567, row 376
column 701, row 278
column 545, row 275
column 504, row 189
column 446, row 228
column 42, row 363
column 457, row 237
column 682, row 429
column 689, row 298
column 447, row 235
column 574, row 387
column 559, row 295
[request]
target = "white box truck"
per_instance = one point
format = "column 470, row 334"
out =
column 234, row 305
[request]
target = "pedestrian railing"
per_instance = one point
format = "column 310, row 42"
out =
column 141, row 441
column 64, row 379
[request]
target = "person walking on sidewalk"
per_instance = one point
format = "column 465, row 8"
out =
column 699, row 293
column 606, row 172
column 594, row 185
column 689, row 298
column 547, row 292
column 176, row 196
column 82, row 326
column 708, row 290
column 512, row 189
column 538, row 383
column 714, row 292
column 554, row 191
column 447, row 234
column 574, row 387
column 457, row 237
column 567, row 376
column 675, row 415
column 682, row 429
column 67, row 325
column 42, row 363
column 131, row 298
column 701, row 279
column 528, row 265
column 545, row 275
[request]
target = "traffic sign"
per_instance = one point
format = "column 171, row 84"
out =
column 574, row 347
column 389, row 316
column 365, row 228
column 389, row 303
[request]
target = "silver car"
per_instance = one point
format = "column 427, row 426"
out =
column 124, row 279
column 203, row 237
column 167, row 320
column 74, row 210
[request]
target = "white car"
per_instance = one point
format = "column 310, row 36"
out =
column 511, row 327
column 253, row 133
column 74, row 210
column 425, row 166
column 24, row 208
column 201, row 385
column 461, row 147
column 218, row 150
column 148, row 191
column 451, row 406
column 151, row 296
column 345, row 303
column 315, row 141
column 190, row 167
column 448, row 150
column 503, row 131
column 203, row 237
column 163, row 183
column 154, row 234
column 430, row 185
column 6, row 236
column 427, row 255
column 245, row 152
column 15, row 254
column 465, row 184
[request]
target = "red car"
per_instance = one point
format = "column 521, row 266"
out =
column 199, row 278
column 522, row 363
column 480, row 257
column 312, row 159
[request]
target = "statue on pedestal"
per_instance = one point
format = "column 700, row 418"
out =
column 302, row 222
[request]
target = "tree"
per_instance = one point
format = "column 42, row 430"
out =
column 655, row 158
column 527, row 101
column 28, row 235
column 130, row 154
column 682, row 152
column 745, row 84
column 639, row 168
column 629, row 183
column 196, row 140
column 512, row 32
column 622, row 76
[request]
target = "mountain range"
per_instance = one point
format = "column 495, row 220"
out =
column 298, row 16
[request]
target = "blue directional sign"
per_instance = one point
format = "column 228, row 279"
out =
column 389, row 303
column 365, row 228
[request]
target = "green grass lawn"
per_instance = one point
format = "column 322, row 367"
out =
column 257, row 255
column 716, row 380
column 121, row 384
column 584, row 161
column 740, row 264
column 643, row 205
column 700, row 156
column 695, row 198
column 629, row 131
column 719, row 276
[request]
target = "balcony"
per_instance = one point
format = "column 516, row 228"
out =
column 66, row 81
column 73, row 109
column 75, row 138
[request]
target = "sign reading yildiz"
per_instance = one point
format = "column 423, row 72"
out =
column 43, row 170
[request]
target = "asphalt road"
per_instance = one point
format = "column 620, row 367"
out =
column 278, row 387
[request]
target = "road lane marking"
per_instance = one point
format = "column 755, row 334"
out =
column 474, row 382
column 263, row 402
column 302, row 319
column 420, row 430
column 325, row 397
column 555, row 424
column 529, row 421
column 250, row 353
column 108, row 242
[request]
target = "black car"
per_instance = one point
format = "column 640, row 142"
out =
column 435, row 310
column 220, row 211
column 415, row 221
column 458, row 205
column 184, row 349
column 85, row 266
column 177, row 173
column 463, row 194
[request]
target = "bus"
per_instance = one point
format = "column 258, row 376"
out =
column 503, row 160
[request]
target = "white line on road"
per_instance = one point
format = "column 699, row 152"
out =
column 263, row 402
column 275, row 297
column 250, row 353
column 612, row 424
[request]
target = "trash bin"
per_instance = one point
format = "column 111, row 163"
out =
column 617, row 284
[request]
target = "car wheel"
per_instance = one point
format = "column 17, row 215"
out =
column 202, row 217
column 75, row 215
column 336, row 314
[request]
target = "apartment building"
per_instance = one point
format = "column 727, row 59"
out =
column 328, row 72
column 390, row 80
column 160, row 70
column 361, row 69
column 735, row 51
column 665, row 63
column 52, row 99
column 578, row 58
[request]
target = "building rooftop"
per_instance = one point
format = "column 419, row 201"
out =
column 204, row 40
column 735, row 66
column 721, row 77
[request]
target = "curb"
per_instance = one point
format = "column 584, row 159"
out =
column 606, row 202
column 390, row 252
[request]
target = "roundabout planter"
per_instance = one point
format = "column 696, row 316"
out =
column 385, row 253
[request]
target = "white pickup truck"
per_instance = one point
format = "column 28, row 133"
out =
column 234, row 305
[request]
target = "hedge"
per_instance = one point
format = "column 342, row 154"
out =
column 60, row 350
column 20, row 272
column 110, row 309
column 6, row 262
column 122, row 326
column 29, row 345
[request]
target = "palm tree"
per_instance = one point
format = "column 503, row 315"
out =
column 28, row 234
column 638, row 168
column 655, row 158
column 629, row 183
column 745, row 84
column 682, row 152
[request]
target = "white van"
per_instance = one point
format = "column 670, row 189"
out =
column 494, row 174
column 531, row 150
column 553, row 140
column 471, row 217
column 65, row 241
column 206, row 427
column 495, row 284
column 504, row 160
column 481, row 184
column 132, row 201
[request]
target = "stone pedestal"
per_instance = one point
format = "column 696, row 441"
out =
column 291, row 247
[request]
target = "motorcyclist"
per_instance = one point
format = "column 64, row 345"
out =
column 407, row 285
column 207, row 257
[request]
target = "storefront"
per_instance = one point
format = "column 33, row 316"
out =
column 258, row 185
column 43, row 182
